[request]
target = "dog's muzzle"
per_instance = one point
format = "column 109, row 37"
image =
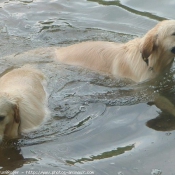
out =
column 173, row 50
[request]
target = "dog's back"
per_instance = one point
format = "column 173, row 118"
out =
column 96, row 55
column 25, row 86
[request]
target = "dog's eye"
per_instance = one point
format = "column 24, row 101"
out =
column 173, row 33
column 2, row 118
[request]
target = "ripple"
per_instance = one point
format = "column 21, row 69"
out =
column 156, row 172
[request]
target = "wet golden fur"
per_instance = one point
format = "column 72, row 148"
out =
column 128, row 60
column 139, row 59
column 23, row 101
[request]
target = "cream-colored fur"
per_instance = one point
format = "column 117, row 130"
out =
column 23, row 101
column 139, row 59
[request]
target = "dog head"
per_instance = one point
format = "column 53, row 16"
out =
column 9, row 118
column 160, row 39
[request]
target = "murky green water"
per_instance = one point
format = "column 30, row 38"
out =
column 98, row 124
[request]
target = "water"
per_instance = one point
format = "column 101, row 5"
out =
column 98, row 124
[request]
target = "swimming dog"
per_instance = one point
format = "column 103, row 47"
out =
column 23, row 101
column 139, row 59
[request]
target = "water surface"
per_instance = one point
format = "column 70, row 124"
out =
column 98, row 123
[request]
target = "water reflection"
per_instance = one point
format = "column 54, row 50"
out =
column 11, row 156
column 164, row 122
column 119, row 4
column 104, row 155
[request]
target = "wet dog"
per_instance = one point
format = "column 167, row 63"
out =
column 23, row 101
column 139, row 59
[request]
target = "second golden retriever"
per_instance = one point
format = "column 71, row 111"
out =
column 23, row 101
column 139, row 59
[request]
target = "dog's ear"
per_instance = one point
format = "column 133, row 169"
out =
column 12, row 130
column 16, row 113
column 149, row 44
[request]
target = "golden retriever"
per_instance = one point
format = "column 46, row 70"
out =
column 139, row 59
column 23, row 101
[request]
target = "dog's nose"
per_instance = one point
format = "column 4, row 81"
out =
column 173, row 50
